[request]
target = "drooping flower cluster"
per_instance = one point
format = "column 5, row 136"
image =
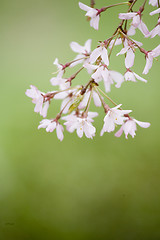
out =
column 75, row 112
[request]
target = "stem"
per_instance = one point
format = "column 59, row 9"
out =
column 142, row 7
column 74, row 75
column 114, row 5
column 88, row 104
column 112, row 46
column 107, row 97
column 102, row 101
column 86, row 86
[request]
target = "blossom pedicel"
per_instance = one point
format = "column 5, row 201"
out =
column 76, row 100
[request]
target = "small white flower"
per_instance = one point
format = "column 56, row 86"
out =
column 81, row 124
column 58, row 80
column 38, row 100
column 50, row 125
column 109, row 77
column 129, row 127
column 99, row 52
column 128, row 49
column 83, row 51
column 92, row 13
column 136, row 21
column 149, row 58
column 131, row 76
column 114, row 117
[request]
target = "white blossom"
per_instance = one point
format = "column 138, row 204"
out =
column 38, row 99
column 81, row 124
column 129, row 127
column 83, row 51
column 136, row 21
column 129, row 48
column 50, row 125
column 102, row 52
column 92, row 13
column 131, row 76
column 149, row 58
column 114, row 117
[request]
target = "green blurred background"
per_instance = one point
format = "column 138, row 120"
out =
column 105, row 188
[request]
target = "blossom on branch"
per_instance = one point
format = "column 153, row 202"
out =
column 114, row 117
column 92, row 13
column 129, row 127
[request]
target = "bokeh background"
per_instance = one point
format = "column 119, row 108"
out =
column 105, row 188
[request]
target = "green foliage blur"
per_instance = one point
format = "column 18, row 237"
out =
column 79, row 189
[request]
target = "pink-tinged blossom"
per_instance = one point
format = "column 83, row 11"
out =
column 109, row 76
column 128, row 49
column 136, row 21
column 114, row 117
column 129, row 127
column 58, row 80
column 100, row 51
column 92, row 13
column 38, row 99
column 153, row 2
column 131, row 76
column 150, row 55
column 83, row 51
column 156, row 30
column 81, row 124
column 155, row 12
column 50, row 125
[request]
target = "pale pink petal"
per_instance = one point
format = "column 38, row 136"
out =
column 123, row 50
column 76, row 47
column 148, row 65
column 59, row 131
column 131, row 31
column 84, row 102
column 84, row 7
column 143, row 28
column 117, row 77
column 155, row 12
column 87, row 45
column 51, row 127
column 129, row 60
column 155, row 31
column 94, row 22
column 139, row 78
column 119, row 132
column 44, row 110
column 104, row 56
column 96, row 99
column 80, row 132
column 95, row 54
column 129, row 76
column 156, row 51
column 142, row 124
column 127, row 15
column 92, row 114
column 136, row 21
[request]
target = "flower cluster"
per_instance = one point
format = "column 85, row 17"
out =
column 76, row 100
